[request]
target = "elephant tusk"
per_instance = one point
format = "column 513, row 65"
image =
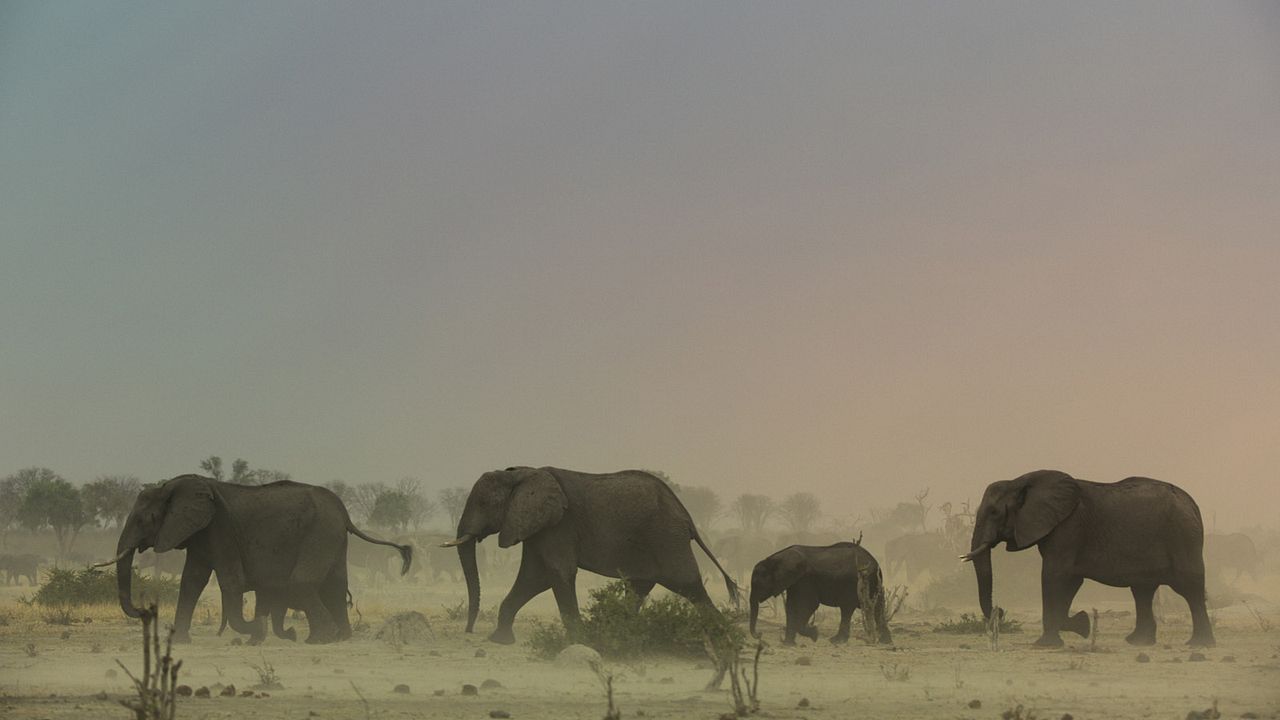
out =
column 455, row 543
column 969, row 556
column 113, row 560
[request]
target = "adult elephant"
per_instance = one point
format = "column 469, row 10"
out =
column 284, row 539
column 1137, row 533
column 1233, row 551
column 16, row 567
column 833, row 575
column 627, row 524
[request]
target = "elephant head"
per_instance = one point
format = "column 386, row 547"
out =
column 772, row 576
column 516, row 503
column 163, row 517
column 1019, row 513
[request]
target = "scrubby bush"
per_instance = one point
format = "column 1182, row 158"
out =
column 613, row 626
column 974, row 625
column 65, row 588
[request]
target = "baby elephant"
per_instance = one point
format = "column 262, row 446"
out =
column 813, row 576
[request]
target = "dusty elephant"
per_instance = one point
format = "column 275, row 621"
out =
column 283, row 539
column 627, row 524
column 1137, row 533
column 812, row 576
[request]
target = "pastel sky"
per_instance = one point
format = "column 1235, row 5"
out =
column 858, row 249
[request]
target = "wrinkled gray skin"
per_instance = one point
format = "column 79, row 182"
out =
column 282, row 538
column 625, row 524
column 1138, row 533
column 813, row 576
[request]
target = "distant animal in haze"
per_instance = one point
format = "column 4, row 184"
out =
column 626, row 524
column 1137, row 533
column 284, row 539
column 16, row 567
column 1228, row 553
column 812, row 576
column 739, row 551
column 912, row 555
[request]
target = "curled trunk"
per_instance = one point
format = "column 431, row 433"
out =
column 124, row 583
column 467, row 556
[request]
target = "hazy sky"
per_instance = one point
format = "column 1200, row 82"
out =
column 858, row 249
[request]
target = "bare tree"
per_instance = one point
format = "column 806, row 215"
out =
column 924, row 509
column 213, row 466
column 801, row 510
column 364, row 499
column 703, row 504
column 263, row 476
column 421, row 507
column 753, row 511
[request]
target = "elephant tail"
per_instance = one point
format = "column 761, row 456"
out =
column 406, row 551
column 729, row 584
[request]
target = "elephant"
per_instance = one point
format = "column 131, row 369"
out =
column 170, row 562
column 811, row 576
column 917, row 553
column 1137, row 533
column 281, row 539
column 627, row 524
column 16, row 567
column 1235, row 551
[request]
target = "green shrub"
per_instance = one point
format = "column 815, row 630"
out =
column 974, row 625
column 90, row 586
column 613, row 627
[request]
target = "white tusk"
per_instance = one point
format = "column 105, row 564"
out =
column 455, row 543
column 975, row 552
column 113, row 560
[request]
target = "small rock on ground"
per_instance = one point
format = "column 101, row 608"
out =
column 499, row 714
column 401, row 688
column 804, row 660
column 490, row 684
column 470, row 690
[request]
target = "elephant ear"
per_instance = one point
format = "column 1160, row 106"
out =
column 791, row 565
column 190, row 510
column 536, row 503
column 1050, row 497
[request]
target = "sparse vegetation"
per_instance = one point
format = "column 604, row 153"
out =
column 157, row 688
column 970, row 624
column 64, row 588
column 613, row 626
column 268, row 679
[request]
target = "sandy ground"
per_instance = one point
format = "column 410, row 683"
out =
column 53, row 671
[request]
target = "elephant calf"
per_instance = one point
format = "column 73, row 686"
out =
column 813, row 576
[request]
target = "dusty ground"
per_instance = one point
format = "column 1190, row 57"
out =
column 926, row 675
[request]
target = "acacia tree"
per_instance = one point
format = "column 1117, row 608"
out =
column 800, row 510
column 110, row 497
column 753, row 511
column 391, row 509
column 52, row 502
column 454, row 500
column 240, row 473
column 12, row 490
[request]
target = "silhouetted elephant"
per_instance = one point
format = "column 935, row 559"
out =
column 283, row 539
column 1138, row 533
column 813, row 576
column 627, row 524
column 917, row 553
column 16, row 567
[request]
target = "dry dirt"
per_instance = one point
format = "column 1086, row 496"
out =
column 54, row 671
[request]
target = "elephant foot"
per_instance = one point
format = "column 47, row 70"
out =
column 291, row 635
column 839, row 639
column 182, row 638
column 1048, row 640
column 1141, row 637
column 1205, row 640
column 1079, row 624
column 503, row 636
column 789, row 642
column 810, row 632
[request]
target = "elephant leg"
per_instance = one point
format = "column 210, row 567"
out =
column 641, row 589
column 195, row 576
column 1192, row 590
column 532, row 579
column 791, row 605
column 321, row 628
column 846, row 614
column 807, row 606
column 1056, row 593
column 1144, row 631
column 334, row 594
column 277, row 622
column 566, row 592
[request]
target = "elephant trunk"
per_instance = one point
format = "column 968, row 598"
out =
column 982, row 568
column 467, row 556
column 233, row 613
column 124, row 583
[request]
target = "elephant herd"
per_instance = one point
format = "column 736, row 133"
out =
column 287, row 542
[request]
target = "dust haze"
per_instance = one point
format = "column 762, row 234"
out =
column 823, row 271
